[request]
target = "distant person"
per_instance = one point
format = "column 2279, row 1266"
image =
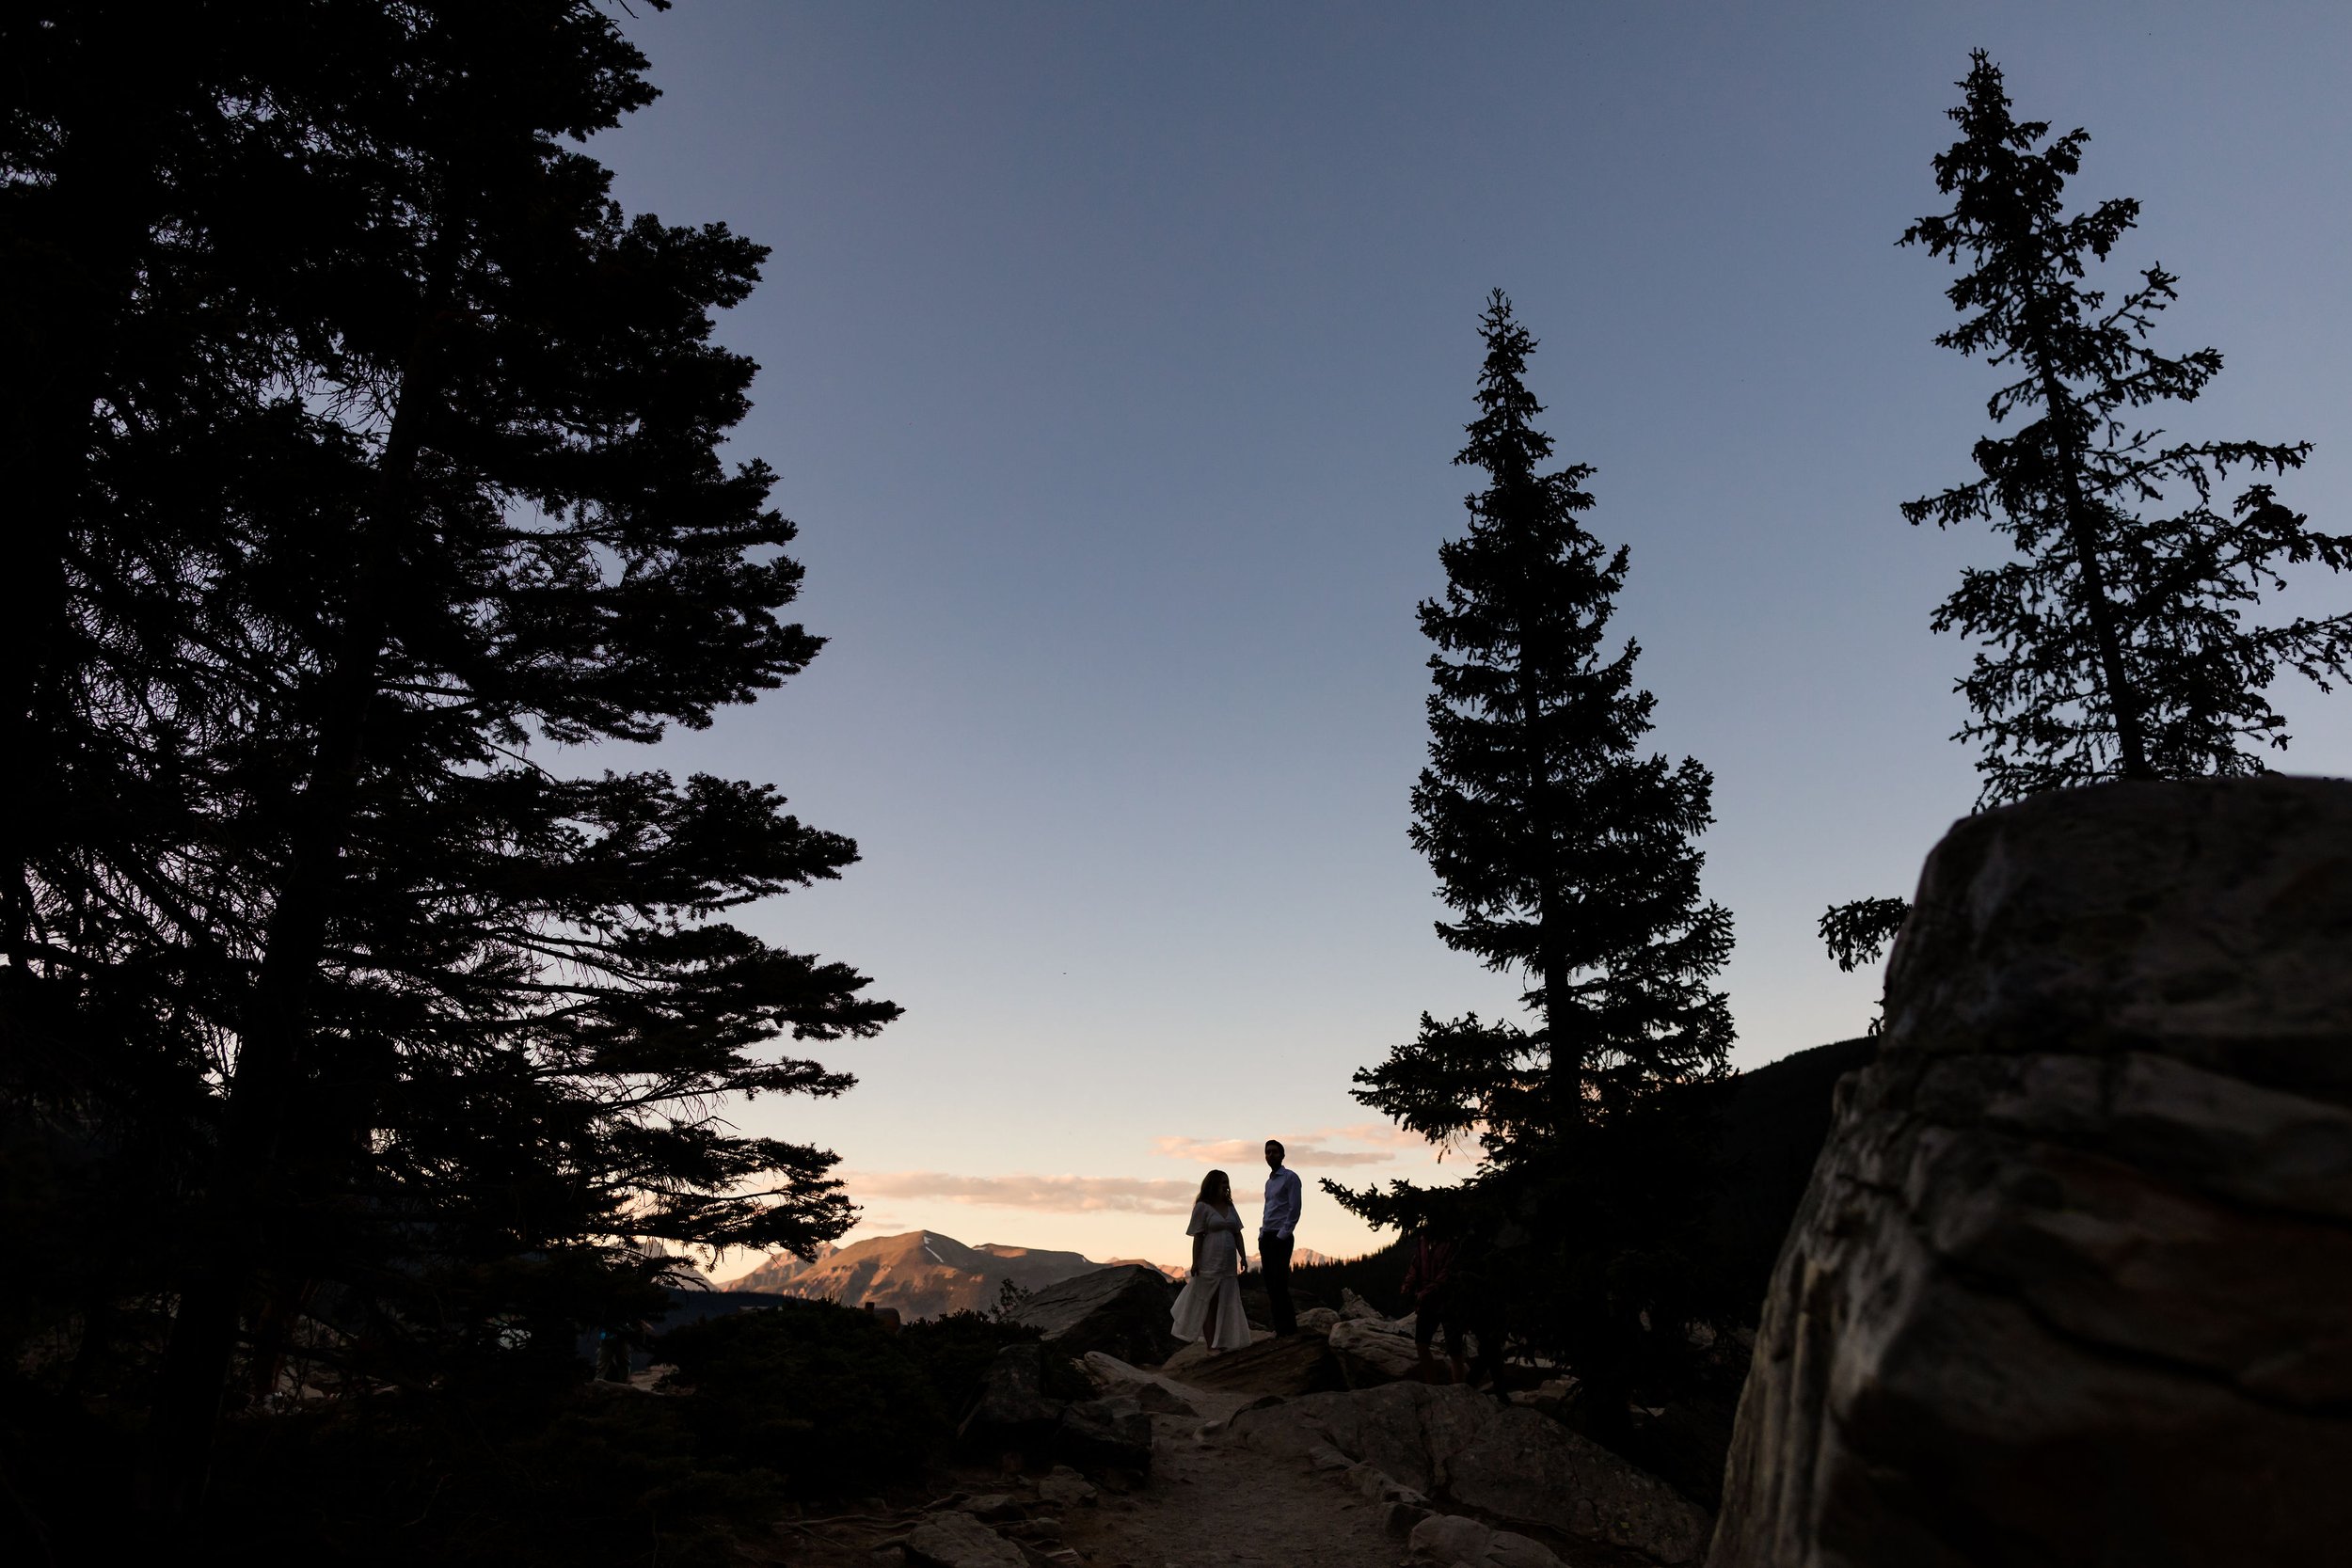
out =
column 1434, row 1284
column 614, row 1349
column 1274, row 1237
column 1209, row 1302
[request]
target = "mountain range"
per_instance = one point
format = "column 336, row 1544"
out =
column 921, row 1274
column 926, row 1275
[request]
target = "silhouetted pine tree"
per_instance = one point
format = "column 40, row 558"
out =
column 1566, row 853
column 1568, row 857
column 448, row 1014
column 2118, row 643
column 144, row 441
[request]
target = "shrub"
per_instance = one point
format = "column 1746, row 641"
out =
column 821, row 1395
column 955, row 1351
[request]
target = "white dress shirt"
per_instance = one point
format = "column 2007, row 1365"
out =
column 1282, row 1203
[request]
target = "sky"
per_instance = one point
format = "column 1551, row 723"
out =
column 1113, row 361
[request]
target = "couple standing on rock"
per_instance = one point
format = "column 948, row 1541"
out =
column 1209, row 1303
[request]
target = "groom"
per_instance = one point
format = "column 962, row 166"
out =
column 1274, row 1237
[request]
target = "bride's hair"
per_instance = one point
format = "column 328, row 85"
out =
column 1217, row 1189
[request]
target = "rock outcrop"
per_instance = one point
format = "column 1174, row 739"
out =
column 1510, row 1464
column 1015, row 1415
column 1284, row 1365
column 1113, row 1432
column 1370, row 1353
column 1121, row 1311
column 1448, row 1539
column 1064, row 1487
column 1155, row 1394
column 953, row 1539
column 2067, row 1284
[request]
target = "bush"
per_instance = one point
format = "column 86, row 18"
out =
column 954, row 1353
column 801, row 1401
column 821, row 1395
column 832, row 1400
column 460, row 1480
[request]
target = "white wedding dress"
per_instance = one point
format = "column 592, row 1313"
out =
column 1210, row 1298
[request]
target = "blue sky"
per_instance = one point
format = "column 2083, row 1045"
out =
column 1113, row 359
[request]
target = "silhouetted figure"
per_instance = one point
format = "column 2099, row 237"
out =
column 1432, row 1285
column 613, row 1346
column 1274, row 1236
column 1209, row 1303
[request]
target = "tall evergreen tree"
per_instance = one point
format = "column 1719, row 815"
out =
column 450, row 1013
column 142, row 440
column 2118, row 643
column 1566, row 854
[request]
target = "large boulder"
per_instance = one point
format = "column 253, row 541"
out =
column 1013, row 1414
column 952, row 1539
column 1123, row 1311
column 1511, row 1464
column 1453, row 1541
column 1111, row 1434
column 1157, row 1395
column 1283, row 1366
column 1065, row 1488
column 2067, row 1284
column 1369, row 1353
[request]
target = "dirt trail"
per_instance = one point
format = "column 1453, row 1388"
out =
column 1206, row 1504
column 1210, row 1505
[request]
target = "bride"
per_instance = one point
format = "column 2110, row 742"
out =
column 1211, row 1300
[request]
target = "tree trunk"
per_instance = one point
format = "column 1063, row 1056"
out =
column 1565, row 1068
column 1567, row 1056
column 267, row 1096
column 2122, row 699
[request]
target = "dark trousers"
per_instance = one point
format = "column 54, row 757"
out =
column 1274, row 1260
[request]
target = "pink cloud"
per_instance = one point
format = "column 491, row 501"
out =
column 1383, row 1134
column 1058, row 1195
column 1243, row 1151
column 1307, row 1148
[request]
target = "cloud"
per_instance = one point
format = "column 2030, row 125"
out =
column 1054, row 1194
column 1307, row 1148
column 1380, row 1133
column 1243, row 1151
column 1096, row 1195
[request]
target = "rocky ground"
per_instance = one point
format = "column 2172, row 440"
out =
column 1240, row 1472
